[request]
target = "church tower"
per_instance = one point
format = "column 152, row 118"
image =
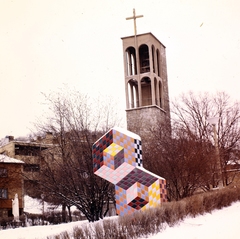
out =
column 146, row 83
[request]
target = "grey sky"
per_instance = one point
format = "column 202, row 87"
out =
column 46, row 44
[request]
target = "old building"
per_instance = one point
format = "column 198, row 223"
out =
column 31, row 154
column 11, row 182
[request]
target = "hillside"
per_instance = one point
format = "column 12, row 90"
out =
column 220, row 224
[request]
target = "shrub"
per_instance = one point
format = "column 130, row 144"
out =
column 151, row 221
column 126, row 224
column 110, row 228
column 78, row 233
column 194, row 205
column 99, row 231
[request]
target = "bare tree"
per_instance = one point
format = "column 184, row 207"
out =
column 187, row 154
column 67, row 175
column 183, row 161
column 192, row 111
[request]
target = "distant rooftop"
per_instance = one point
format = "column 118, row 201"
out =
column 6, row 159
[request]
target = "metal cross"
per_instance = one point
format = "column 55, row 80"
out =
column 134, row 19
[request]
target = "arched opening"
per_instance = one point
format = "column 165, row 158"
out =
column 153, row 58
column 144, row 59
column 146, row 91
column 158, row 63
column 133, row 94
column 160, row 95
column 156, row 91
column 131, row 61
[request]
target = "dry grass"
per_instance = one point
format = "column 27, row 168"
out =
column 142, row 224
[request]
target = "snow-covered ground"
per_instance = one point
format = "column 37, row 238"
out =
column 220, row 224
column 32, row 205
column 38, row 232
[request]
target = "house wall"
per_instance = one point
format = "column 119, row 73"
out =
column 14, row 184
column 30, row 153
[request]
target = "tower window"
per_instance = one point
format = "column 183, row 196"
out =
column 131, row 61
column 146, row 91
column 153, row 58
column 158, row 63
column 133, row 94
column 144, row 59
column 160, row 95
column 156, row 91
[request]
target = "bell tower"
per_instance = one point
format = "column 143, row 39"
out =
column 146, row 83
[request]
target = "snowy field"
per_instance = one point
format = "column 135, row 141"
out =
column 219, row 224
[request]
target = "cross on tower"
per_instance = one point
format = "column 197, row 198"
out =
column 134, row 19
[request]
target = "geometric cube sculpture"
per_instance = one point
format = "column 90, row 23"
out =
column 117, row 157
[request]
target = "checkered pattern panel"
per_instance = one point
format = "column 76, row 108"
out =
column 127, row 143
column 114, row 176
column 138, row 203
column 138, row 152
column 122, row 207
column 117, row 157
column 163, row 190
column 154, row 194
column 98, row 148
column 113, row 156
column 137, row 175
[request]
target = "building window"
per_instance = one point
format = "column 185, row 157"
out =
column 31, row 167
column 3, row 193
column 3, row 172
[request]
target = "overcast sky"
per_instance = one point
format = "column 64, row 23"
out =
column 46, row 44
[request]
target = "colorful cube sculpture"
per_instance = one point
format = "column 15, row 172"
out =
column 117, row 157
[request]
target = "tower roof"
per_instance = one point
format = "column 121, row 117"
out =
column 144, row 34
